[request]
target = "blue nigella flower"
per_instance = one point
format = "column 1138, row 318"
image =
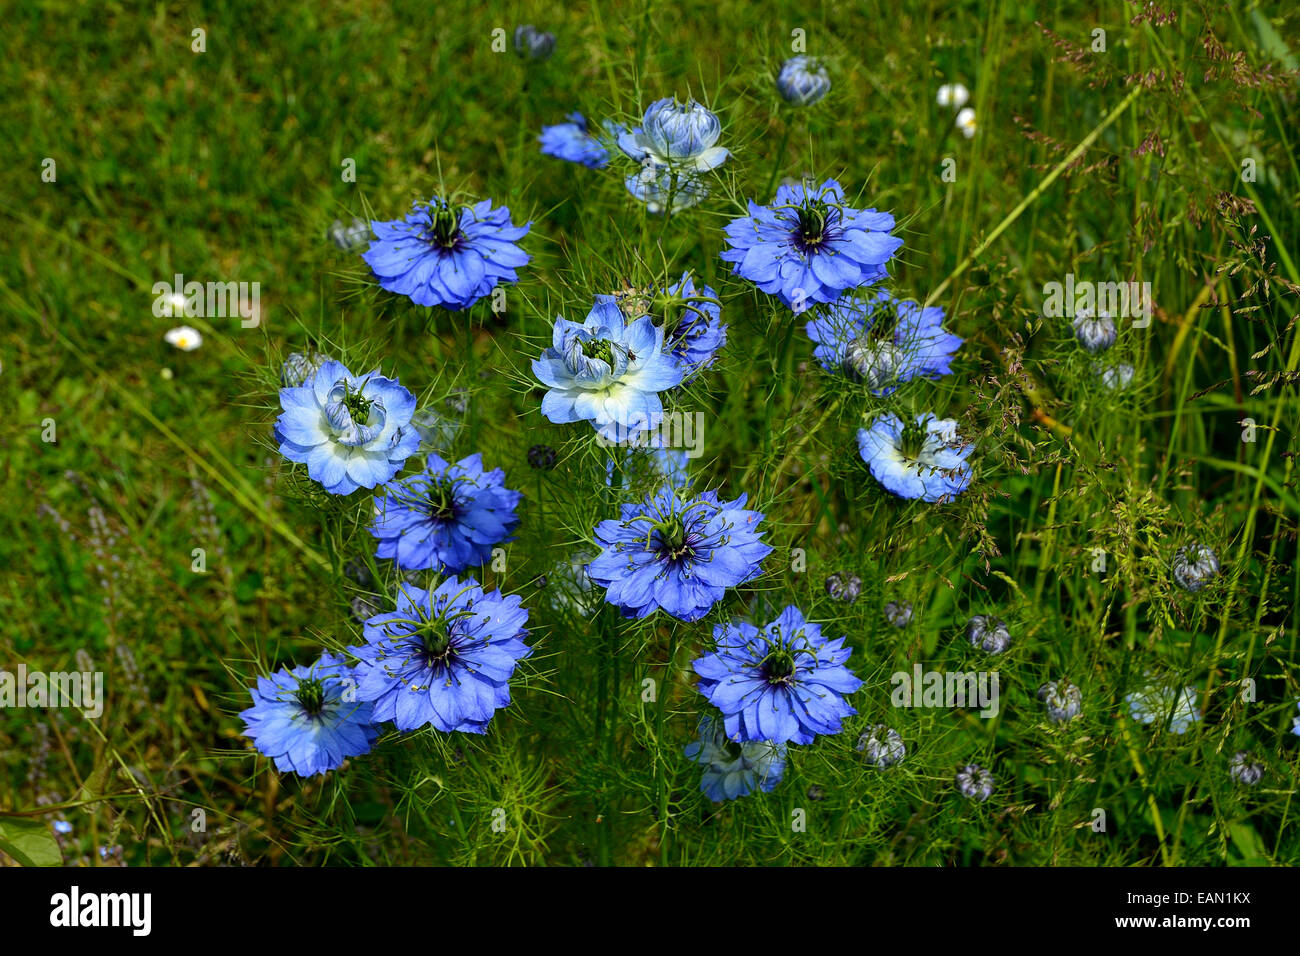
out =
column 926, row 459
column 691, row 317
column 677, row 551
column 1158, row 704
column 1295, row 721
column 662, row 189
column 534, row 44
column 803, row 80
column 351, row 431
column 808, row 246
column 678, row 136
column 607, row 371
column 446, row 518
column 573, row 142
column 697, row 332
column 441, row 254
column 785, row 682
column 310, row 719
column 883, row 341
column 733, row 769
column 443, row 657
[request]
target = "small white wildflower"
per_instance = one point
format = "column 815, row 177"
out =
column 954, row 95
column 184, row 338
column 966, row 122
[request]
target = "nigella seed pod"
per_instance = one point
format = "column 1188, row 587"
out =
column 882, row 746
column 843, row 586
column 898, row 613
column 1095, row 332
column 534, row 44
column 803, row 80
column 365, row 607
column 542, row 457
column 875, row 363
column 1116, row 377
column 357, row 570
column 1062, row 699
column 1244, row 770
column 975, row 782
column 349, row 238
column 1194, row 565
column 988, row 633
column 299, row 368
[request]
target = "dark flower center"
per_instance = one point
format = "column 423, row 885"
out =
column 440, row 499
column 912, row 440
column 778, row 666
column 734, row 750
column 311, row 696
column 815, row 225
column 444, row 226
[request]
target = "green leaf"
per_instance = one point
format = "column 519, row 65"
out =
column 29, row 841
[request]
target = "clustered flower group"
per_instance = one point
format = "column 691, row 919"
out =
column 443, row 657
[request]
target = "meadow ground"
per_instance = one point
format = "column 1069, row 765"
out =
column 154, row 534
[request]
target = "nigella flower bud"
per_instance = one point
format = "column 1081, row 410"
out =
column 816, row 793
column 1116, row 377
column 975, row 782
column 542, row 457
column 1244, row 770
column 843, row 586
column 898, row 613
column 803, row 80
column 364, row 608
column 1063, row 701
column 357, row 570
column 299, row 368
column 882, row 746
column 681, row 130
column 875, row 363
column 1194, row 565
column 988, row 633
column 349, row 238
column 1095, row 332
column 534, row 44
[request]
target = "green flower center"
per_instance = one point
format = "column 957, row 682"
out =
column 440, row 499
column 444, row 228
column 912, row 441
column 778, row 666
column 357, row 405
column 599, row 349
column 435, row 639
column 311, row 696
column 672, row 532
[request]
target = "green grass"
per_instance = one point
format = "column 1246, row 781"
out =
column 226, row 165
